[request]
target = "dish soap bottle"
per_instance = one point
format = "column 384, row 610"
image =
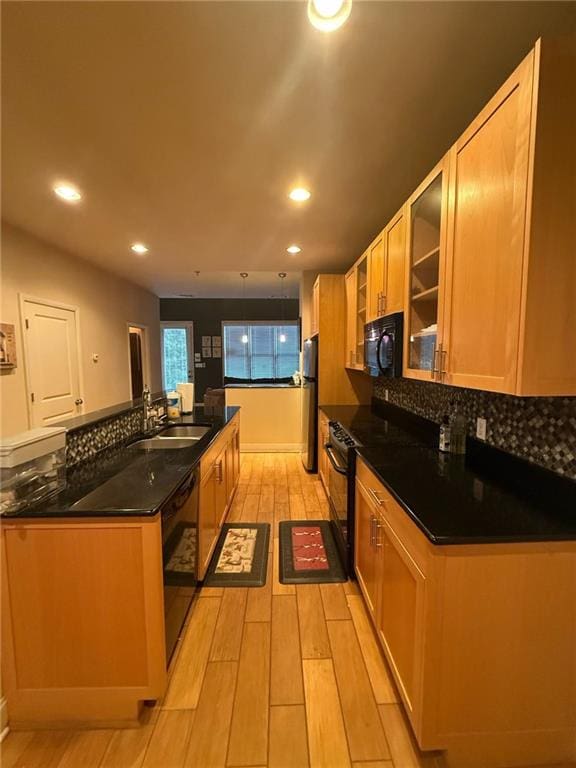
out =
column 445, row 434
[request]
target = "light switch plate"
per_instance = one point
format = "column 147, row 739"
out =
column 481, row 428
column 386, row 394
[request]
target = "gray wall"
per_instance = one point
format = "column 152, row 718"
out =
column 208, row 315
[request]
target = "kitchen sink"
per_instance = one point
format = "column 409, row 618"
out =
column 158, row 443
column 184, row 432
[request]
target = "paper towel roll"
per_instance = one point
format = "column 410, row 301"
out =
column 187, row 394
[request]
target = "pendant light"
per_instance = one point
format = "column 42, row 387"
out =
column 282, row 276
column 244, row 275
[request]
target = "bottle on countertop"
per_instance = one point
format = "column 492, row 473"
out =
column 458, row 433
column 173, row 404
column 445, row 434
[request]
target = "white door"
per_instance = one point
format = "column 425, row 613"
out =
column 177, row 354
column 52, row 366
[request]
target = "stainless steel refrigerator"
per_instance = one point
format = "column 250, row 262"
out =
column 310, row 404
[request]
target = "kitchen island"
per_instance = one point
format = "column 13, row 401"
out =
column 86, row 613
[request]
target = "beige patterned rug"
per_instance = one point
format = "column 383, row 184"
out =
column 241, row 556
column 237, row 552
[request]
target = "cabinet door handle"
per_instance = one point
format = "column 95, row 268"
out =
column 443, row 358
column 372, row 521
column 376, row 498
column 434, row 370
column 378, row 537
column 383, row 303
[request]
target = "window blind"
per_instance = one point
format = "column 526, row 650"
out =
column 264, row 355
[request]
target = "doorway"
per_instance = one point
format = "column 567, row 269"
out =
column 177, row 354
column 51, row 361
column 139, row 368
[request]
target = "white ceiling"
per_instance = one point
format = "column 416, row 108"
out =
column 229, row 285
column 186, row 123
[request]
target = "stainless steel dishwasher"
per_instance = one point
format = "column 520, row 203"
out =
column 179, row 556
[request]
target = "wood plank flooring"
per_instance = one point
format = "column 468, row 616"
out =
column 276, row 677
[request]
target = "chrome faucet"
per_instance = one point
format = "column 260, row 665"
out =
column 147, row 408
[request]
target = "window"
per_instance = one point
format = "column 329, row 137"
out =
column 176, row 354
column 271, row 351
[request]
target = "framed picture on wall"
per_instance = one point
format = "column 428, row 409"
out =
column 7, row 346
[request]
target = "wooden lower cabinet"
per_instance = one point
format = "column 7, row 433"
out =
column 399, row 615
column 219, row 473
column 82, row 620
column 479, row 638
column 368, row 556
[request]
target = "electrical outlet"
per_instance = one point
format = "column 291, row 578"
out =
column 481, row 428
column 386, row 394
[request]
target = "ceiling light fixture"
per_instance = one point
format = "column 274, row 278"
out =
column 67, row 192
column 282, row 276
column 328, row 15
column 299, row 195
column 244, row 275
column 139, row 248
column 294, row 249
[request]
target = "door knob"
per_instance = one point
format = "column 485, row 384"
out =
column 79, row 401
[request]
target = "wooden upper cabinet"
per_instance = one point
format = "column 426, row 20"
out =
column 395, row 248
column 486, row 223
column 426, row 252
column 376, row 279
column 356, row 312
column 491, row 267
column 386, row 258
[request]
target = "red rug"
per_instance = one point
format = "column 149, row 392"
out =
column 308, row 552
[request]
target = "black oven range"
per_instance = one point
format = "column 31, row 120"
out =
column 341, row 471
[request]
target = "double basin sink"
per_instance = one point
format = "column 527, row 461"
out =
column 180, row 436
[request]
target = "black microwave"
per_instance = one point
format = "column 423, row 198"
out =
column 383, row 346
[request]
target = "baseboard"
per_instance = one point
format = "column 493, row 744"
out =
column 270, row 447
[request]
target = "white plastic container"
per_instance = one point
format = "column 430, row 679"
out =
column 173, row 407
column 32, row 467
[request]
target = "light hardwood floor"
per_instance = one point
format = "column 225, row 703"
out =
column 282, row 676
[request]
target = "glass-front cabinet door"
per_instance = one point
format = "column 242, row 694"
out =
column 427, row 210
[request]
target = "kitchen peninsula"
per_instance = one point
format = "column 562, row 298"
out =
column 89, row 618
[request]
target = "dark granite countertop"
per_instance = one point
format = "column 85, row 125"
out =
column 127, row 481
column 486, row 496
column 262, row 386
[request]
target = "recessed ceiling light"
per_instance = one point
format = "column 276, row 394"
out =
column 299, row 194
column 328, row 15
column 67, row 192
column 139, row 248
column 294, row 249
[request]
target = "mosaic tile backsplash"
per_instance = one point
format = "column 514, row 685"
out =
column 539, row 429
column 85, row 442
